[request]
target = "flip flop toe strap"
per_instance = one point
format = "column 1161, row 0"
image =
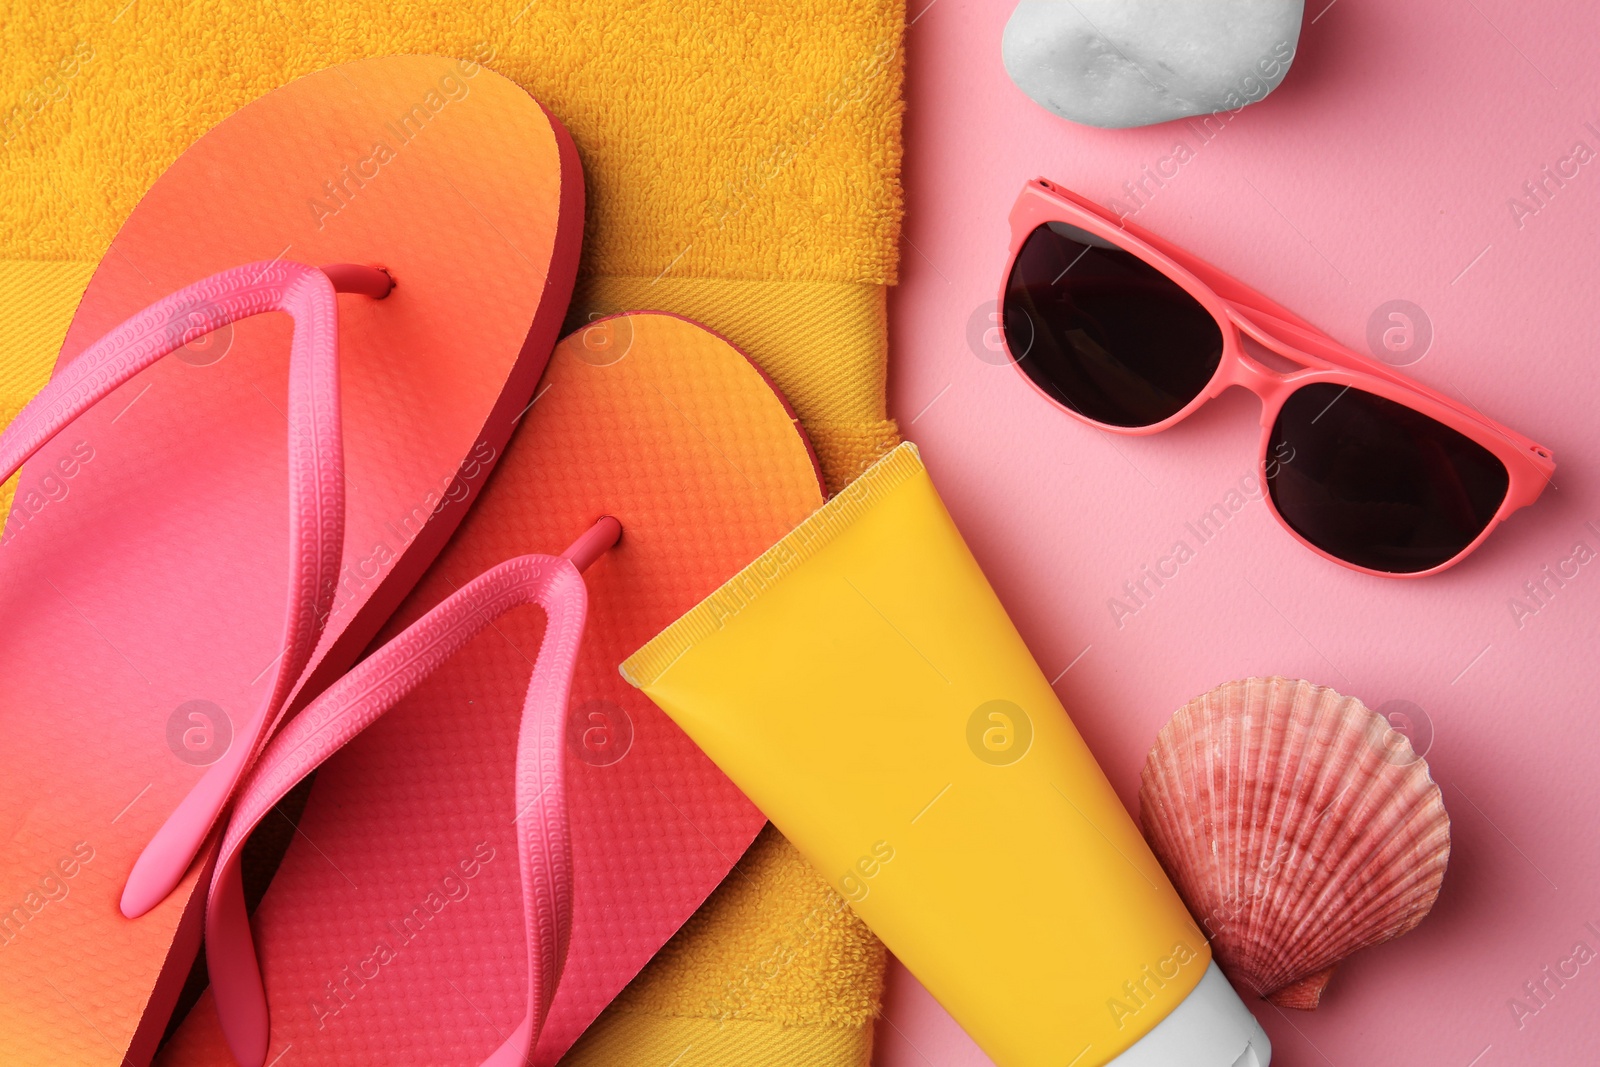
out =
column 360, row 699
column 316, row 487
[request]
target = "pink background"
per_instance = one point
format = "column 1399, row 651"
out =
column 1383, row 168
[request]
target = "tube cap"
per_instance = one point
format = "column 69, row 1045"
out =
column 1211, row 1027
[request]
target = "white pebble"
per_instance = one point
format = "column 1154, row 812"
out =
column 1121, row 63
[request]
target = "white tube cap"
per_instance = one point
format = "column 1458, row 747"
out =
column 1211, row 1027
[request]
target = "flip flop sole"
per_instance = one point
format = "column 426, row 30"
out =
column 392, row 931
column 143, row 574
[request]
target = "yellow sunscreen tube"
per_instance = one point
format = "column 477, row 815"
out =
column 862, row 684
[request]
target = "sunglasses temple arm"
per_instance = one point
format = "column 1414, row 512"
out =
column 1316, row 348
column 1266, row 321
column 1224, row 284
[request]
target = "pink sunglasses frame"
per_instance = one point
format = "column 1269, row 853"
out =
column 1240, row 312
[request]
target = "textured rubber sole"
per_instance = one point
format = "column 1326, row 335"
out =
column 392, row 932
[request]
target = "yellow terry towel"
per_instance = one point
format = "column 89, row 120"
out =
column 742, row 162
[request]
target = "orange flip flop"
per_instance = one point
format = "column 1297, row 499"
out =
column 167, row 593
column 394, row 929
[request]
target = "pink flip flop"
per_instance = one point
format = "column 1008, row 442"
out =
column 420, row 914
column 161, row 615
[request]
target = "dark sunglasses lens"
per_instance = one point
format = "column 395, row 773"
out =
column 1104, row 332
column 1377, row 484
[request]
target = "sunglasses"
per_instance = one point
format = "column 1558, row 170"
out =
column 1362, row 465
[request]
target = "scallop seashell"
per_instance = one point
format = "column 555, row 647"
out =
column 1297, row 826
